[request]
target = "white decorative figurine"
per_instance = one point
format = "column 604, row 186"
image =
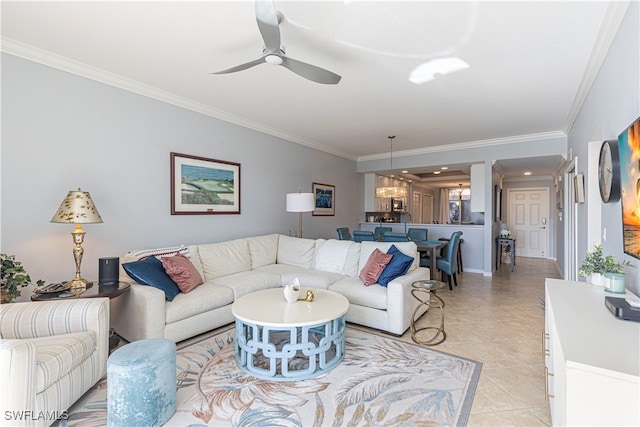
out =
column 292, row 291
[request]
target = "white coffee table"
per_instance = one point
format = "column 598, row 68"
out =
column 288, row 342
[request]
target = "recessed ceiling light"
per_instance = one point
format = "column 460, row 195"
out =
column 405, row 171
column 429, row 70
column 436, row 172
column 444, row 168
column 527, row 173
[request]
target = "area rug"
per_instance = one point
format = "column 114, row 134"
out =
column 381, row 381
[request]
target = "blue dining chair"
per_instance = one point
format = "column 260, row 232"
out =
column 363, row 236
column 448, row 264
column 418, row 234
column 344, row 233
column 379, row 231
column 394, row 237
column 460, row 267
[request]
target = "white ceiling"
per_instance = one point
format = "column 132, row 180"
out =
column 530, row 64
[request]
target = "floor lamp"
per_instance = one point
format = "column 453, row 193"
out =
column 300, row 202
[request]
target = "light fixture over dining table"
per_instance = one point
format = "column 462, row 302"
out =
column 391, row 192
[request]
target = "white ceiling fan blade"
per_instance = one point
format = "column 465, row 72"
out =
column 242, row 66
column 311, row 72
column 267, row 19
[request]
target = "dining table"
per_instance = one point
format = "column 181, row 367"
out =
column 431, row 247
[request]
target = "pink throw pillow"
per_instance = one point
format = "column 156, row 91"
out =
column 375, row 265
column 182, row 271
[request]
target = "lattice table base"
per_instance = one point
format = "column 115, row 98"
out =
column 289, row 353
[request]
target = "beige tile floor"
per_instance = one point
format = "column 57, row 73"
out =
column 499, row 321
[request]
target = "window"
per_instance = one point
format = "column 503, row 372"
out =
column 458, row 198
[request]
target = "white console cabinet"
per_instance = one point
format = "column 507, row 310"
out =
column 592, row 358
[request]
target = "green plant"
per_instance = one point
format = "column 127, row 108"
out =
column 13, row 276
column 596, row 262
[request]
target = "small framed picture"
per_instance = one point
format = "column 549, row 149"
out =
column 202, row 186
column 325, row 196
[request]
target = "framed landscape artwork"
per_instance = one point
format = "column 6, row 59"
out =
column 202, row 186
column 629, row 147
column 325, row 196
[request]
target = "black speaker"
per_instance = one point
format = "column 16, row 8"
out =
column 108, row 271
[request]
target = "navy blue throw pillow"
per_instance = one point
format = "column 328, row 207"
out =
column 150, row 272
column 397, row 267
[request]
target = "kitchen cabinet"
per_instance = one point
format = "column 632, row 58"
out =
column 591, row 358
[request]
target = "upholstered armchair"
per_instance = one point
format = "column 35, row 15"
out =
column 51, row 353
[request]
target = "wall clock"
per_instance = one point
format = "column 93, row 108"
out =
column 609, row 172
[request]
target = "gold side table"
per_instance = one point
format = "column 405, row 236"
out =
column 425, row 292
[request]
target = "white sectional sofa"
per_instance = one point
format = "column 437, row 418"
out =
column 234, row 268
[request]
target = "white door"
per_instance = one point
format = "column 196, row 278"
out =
column 416, row 213
column 427, row 208
column 528, row 221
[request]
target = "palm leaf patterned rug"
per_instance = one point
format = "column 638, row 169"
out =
column 381, row 381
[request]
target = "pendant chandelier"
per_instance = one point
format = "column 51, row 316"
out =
column 391, row 192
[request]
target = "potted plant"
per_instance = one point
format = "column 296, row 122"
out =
column 13, row 276
column 596, row 264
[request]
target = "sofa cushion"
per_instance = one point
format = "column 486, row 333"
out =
column 182, row 271
column 58, row 355
column 194, row 257
column 359, row 294
column 263, row 249
column 397, row 266
column 407, row 248
column 374, row 267
column 295, row 251
column 205, row 297
column 150, row 272
column 248, row 281
column 308, row 278
column 312, row 278
column 225, row 258
column 337, row 256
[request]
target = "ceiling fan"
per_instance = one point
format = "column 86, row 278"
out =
column 273, row 53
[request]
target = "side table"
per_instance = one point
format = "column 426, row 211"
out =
column 91, row 291
column 505, row 241
column 425, row 292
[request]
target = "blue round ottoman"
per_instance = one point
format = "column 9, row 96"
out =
column 141, row 384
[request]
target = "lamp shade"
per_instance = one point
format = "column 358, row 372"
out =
column 77, row 208
column 300, row 202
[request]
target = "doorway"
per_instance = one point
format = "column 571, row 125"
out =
column 427, row 208
column 417, row 208
column 528, row 220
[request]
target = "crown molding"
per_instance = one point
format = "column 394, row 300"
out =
column 63, row 63
column 608, row 30
column 468, row 145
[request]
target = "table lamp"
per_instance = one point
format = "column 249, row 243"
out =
column 77, row 208
column 300, row 202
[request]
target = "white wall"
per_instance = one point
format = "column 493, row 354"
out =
column 612, row 104
column 61, row 131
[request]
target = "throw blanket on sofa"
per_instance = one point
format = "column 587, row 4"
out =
column 331, row 255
